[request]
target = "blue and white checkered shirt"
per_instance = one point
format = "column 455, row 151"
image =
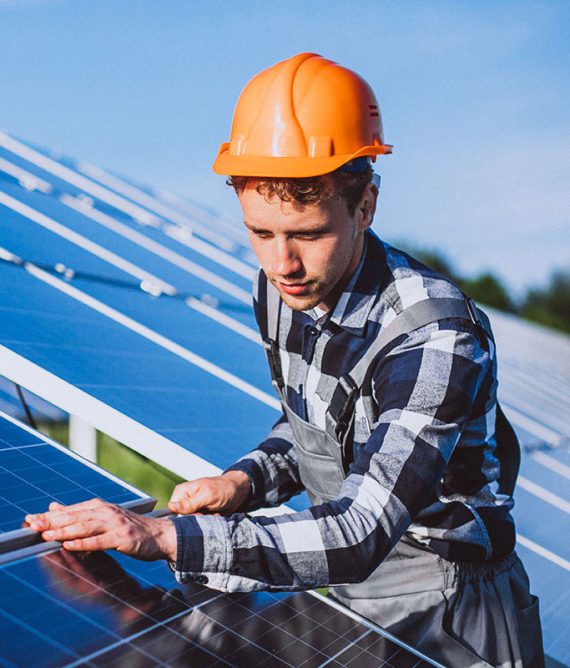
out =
column 425, row 466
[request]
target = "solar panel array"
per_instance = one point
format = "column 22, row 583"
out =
column 534, row 382
column 100, row 610
column 105, row 611
column 166, row 362
column 130, row 308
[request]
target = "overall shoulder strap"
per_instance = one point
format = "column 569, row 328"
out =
column 273, row 312
column 508, row 452
column 341, row 409
column 340, row 414
column 416, row 316
column 271, row 345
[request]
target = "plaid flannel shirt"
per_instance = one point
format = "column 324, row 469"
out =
column 424, row 464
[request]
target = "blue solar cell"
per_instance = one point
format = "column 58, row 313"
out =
column 13, row 437
column 8, row 480
column 24, row 647
column 530, row 517
column 33, row 473
column 61, row 186
column 552, row 479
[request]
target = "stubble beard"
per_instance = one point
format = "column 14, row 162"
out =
column 302, row 302
column 332, row 283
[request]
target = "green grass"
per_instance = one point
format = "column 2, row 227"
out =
column 126, row 464
column 136, row 469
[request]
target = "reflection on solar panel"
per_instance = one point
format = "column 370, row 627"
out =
column 86, row 258
column 11, row 404
column 104, row 611
column 35, row 472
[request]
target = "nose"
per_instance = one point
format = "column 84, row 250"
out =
column 286, row 259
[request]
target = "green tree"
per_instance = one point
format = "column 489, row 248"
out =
column 488, row 289
column 438, row 262
column 485, row 289
column 550, row 305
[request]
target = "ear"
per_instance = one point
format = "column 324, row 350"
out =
column 367, row 206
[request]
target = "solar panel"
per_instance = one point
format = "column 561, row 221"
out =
column 107, row 611
column 535, row 366
column 34, row 471
column 98, row 610
column 99, row 250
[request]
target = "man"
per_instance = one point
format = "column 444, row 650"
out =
column 387, row 377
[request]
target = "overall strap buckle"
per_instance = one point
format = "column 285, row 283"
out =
column 473, row 311
column 341, row 408
column 480, row 320
column 274, row 359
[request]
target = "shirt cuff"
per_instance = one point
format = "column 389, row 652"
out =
column 253, row 471
column 204, row 550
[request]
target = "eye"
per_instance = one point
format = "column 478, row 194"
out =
column 308, row 236
column 261, row 234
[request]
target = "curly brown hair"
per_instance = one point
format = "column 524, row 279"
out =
column 301, row 192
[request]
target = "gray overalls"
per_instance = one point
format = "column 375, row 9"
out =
column 456, row 613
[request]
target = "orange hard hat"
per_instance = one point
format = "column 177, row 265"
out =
column 304, row 116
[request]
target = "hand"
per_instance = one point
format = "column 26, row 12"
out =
column 98, row 525
column 218, row 494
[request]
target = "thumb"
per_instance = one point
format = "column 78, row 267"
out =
column 183, row 499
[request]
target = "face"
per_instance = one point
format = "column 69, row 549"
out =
column 309, row 254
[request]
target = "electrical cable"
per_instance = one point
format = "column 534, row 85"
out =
column 69, row 274
column 25, row 406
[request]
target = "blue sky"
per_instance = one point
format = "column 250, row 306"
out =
column 475, row 98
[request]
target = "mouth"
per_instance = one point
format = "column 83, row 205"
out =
column 294, row 288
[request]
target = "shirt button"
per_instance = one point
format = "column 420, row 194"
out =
column 313, row 331
column 201, row 580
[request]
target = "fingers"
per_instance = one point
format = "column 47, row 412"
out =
column 54, row 505
column 217, row 494
column 106, row 541
column 188, row 497
column 183, row 490
column 57, row 508
column 202, row 497
column 71, row 531
column 96, row 525
column 55, row 519
column 68, row 524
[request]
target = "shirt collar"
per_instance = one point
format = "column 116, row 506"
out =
column 362, row 290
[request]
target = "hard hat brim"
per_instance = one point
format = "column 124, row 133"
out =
column 287, row 167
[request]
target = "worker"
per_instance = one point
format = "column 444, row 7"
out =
column 387, row 376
